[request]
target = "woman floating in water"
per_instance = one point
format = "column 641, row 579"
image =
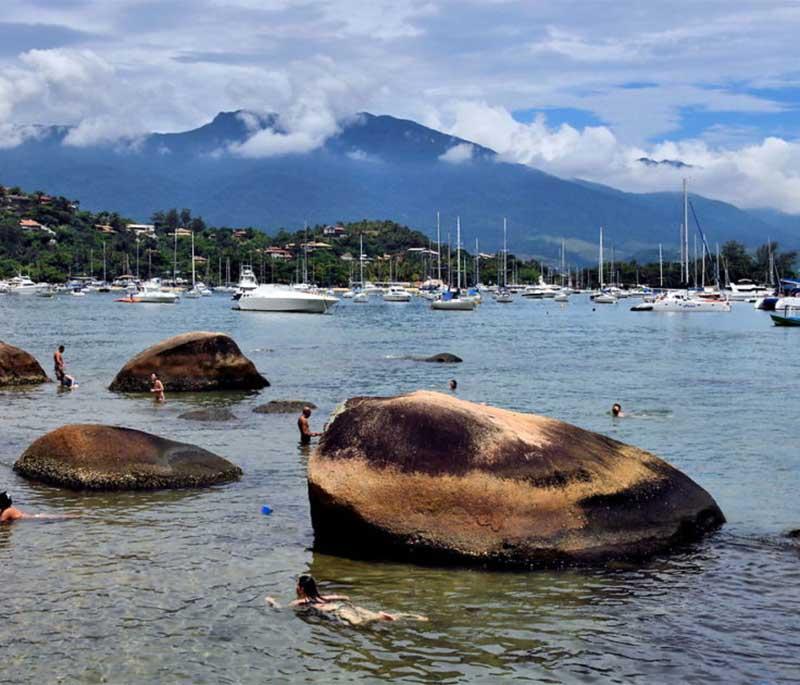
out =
column 336, row 607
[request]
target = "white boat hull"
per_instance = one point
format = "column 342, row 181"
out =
column 454, row 305
column 264, row 299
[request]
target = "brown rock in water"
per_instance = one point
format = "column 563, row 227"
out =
column 429, row 477
column 191, row 362
column 96, row 457
column 18, row 367
column 209, row 414
column 283, row 407
column 444, row 358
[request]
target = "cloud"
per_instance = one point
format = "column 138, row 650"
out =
column 458, row 154
column 763, row 174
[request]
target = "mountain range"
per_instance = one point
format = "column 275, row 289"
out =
column 374, row 167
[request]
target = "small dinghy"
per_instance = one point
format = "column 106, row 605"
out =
column 781, row 320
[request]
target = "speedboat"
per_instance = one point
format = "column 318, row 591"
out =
column 453, row 302
column 361, row 297
column 396, row 293
column 504, row 297
column 153, row 293
column 563, row 296
column 681, row 302
column 273, row 297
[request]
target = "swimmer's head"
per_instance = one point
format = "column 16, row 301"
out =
column 453, row 384
column 307, row 587
column 616, row 409
column 60, row 348
column 307, row 413
column 5, row 501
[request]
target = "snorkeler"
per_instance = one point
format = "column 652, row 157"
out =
column 9, row 513
column 336, row 607
column 616, row 411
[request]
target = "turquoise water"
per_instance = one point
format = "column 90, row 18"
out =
column 170, row 586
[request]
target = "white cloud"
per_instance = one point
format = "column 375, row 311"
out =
column 764, row 174
column 458, row 154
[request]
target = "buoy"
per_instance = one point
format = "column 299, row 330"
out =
column 265, row 509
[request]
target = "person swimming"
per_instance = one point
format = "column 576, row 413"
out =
column 616, row 411
column 9, row 513
column 335, row 607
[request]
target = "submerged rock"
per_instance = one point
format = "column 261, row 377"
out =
column 191, row 362
column 96, row 457
column 18, row 367
column 210, row 414
column 444, row 358
column 430, row 477
column 283, row 407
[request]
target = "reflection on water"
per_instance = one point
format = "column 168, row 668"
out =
column 170, row 585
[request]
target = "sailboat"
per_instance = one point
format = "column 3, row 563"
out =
column 449, row 300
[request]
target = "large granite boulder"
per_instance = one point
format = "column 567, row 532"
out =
column 18, row 367
column 96, row 457
column 430, row 477
column 191, row 362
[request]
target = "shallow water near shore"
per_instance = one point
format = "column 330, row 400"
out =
column 169, row 586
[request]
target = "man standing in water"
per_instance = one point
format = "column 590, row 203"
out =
column 305, row 428
column 158, row 388
column 58, row 364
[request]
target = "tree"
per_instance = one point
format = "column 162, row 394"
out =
column 736, row 260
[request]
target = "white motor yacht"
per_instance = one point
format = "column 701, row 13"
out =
column 744, row 290
column 272, row 297
column 788, row 304
column 152, row 293
column 396, row 293
column 452, row 302
column 247, row 282
column 23, row 285
column 504, row 296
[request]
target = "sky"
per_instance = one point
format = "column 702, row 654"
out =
column 576, row 88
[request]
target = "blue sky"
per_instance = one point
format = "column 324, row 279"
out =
column 577, row 87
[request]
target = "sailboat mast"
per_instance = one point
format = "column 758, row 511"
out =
column 104, row 261
column 175, row 259
column 505, row 253
column 660, row 267
column 439, row 248
column 477, row 263
column 600, row 261
column 361, row 259
column 458, row 252
column 193, row 273
column 686, row 230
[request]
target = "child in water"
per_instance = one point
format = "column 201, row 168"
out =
column 9, row 513
column 336, row 607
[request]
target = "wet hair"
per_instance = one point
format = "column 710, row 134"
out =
column 60, row 348
column 308, row 585
column 453, row 383
column 616, row 408
column 5, row 501
column 307, row 412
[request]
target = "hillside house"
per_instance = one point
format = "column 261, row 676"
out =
column 34, row 226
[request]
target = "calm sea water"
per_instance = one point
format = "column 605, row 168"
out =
column 170, row 586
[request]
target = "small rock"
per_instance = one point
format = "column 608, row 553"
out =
column 444, row 358
column 283, row 407
column 210, row 414
column 794, row 534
